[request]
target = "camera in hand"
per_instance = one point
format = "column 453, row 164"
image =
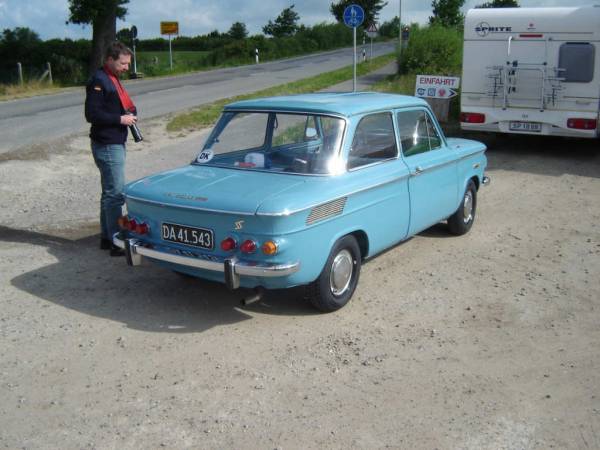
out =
column 135, row 131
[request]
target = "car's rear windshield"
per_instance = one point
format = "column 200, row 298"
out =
column 276, row 142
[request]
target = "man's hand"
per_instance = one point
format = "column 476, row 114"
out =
column 128, row 119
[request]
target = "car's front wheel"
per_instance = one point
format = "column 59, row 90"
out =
column 338, row 280
column 461, row 221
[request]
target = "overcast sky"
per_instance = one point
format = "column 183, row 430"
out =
column 48, row 17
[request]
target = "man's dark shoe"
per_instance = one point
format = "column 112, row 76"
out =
column 116, row 251
column 105, row 244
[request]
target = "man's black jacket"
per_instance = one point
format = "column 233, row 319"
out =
column 103, row 110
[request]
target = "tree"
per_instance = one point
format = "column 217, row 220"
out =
column 371, row 8
column 21, row 44
column 238, row 31
column 389, row 29
column 103, row 15
column 499, row 4
column 286, row 24
column 447, row 13
column 22, row 36
column 124, row 35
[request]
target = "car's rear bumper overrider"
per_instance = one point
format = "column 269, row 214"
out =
column 486, row 181
column 232, row 268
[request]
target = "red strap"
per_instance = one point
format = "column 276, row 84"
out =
column 126, row 102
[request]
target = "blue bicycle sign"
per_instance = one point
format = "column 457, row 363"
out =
column 354, row 15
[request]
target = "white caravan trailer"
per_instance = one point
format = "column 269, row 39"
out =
column 532, row 71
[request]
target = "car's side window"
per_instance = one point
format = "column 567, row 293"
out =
column 374, row 140
column 414, row 134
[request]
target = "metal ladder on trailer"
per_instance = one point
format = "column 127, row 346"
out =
column 503, row 79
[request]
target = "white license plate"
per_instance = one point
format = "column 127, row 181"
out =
column 525, row 126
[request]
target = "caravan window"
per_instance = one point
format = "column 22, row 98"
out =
column 577, row 58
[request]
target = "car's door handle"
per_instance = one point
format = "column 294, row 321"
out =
column 418, row 170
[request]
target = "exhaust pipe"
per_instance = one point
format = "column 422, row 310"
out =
column 257, row 296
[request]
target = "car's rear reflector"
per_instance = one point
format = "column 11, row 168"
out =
column 468, row 117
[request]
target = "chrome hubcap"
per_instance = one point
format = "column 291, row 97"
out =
column 468, row 207
column 341, row 272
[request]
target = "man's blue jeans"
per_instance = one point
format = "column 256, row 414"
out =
column 110, row 159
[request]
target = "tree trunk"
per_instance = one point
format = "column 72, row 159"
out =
column 104, row 32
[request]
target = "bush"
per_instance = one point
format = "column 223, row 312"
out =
column 432, row 50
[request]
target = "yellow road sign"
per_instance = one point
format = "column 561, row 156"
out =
column 169, row 28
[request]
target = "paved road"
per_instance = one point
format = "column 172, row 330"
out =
column 29, row 121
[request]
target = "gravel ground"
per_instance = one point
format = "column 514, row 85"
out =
column 485, row 341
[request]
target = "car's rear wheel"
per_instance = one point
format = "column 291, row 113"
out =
column 461, row 221
column 338, row 280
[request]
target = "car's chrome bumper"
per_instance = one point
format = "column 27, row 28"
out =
column 486, row 180
column 230, row 267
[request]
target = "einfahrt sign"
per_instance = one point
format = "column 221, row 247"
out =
column 434, row 86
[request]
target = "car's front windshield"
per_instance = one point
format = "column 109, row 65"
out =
column 277, row 142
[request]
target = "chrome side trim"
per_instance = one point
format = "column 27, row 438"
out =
column 137, row 248
column 437, row 166
column 326, row 210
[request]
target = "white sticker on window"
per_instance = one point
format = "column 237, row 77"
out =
column 205, row 156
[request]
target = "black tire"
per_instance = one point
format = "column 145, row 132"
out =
column 322, row 292
column 462, row 220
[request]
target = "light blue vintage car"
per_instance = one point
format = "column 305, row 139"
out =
column 300, row 190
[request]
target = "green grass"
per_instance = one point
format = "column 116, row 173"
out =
column 206, row 115
column 157, row 63
column 397, row 84
column 27, row 89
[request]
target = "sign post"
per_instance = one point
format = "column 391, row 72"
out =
column 405, row 33
column 399, row 31
column 372, row 33
column 169, row 28
column 133, row 38
column 354, row 15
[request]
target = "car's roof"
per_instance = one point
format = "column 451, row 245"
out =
column 340, row 103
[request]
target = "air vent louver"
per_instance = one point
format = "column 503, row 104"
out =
column 326, row 210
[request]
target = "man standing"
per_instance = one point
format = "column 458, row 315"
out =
column 110, row 110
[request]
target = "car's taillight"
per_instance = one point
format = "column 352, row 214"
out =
column 132, row 224
column 582, row 124
column 269, row 248
column 228, row 244
column 472, row 117
column 248, row 246
column 141, row 228
column 123, row 222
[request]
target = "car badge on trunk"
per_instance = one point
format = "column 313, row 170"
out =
column 186, row 197
column 239, row 224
